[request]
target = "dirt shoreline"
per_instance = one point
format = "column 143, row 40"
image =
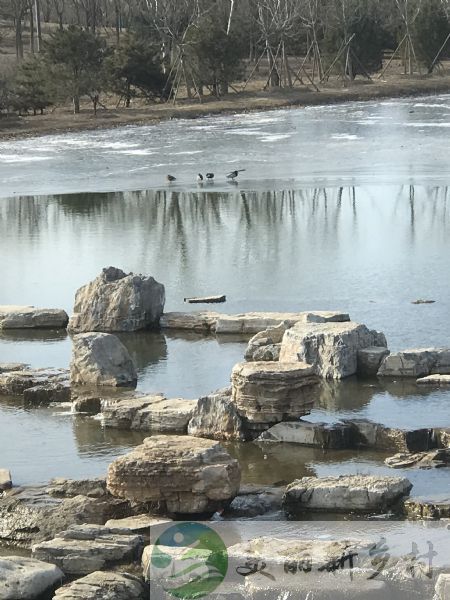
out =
column 62, row 121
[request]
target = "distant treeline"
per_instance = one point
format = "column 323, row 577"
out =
column 150, row 48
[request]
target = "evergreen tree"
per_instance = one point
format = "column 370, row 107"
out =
column 33, row 89
column 78, row 56
column 429, row 32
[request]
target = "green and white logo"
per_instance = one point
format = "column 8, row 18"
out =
column 189, row 560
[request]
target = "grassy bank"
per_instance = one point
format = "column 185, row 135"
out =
column 62, row 120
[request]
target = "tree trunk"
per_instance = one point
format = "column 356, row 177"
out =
column 117, row 13
column 60, row 19
column 37, row 15
column 76, row 104
column 31, row 32
column 128, row 96
column 19, row 41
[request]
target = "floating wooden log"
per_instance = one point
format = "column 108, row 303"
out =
column 206, row 299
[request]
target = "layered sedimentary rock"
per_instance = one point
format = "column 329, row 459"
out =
column 345, row 493
column 421, row 460
column 184, row 474
column 26, row 578
column 48, row 384
column 370, row 359
column 149, row 413
column 331, row 348
column 217, row 418
column 244, row 323
column 116, row 301
column 427, row 508
column 266, row 345
column 265, row 393
column 29, row 317
column 28, row 515
column 436, row 379
column 83, row 549
column 320, row 435
column 374, row 435
column 101, row 359
column 101, row 585
column 417, row 362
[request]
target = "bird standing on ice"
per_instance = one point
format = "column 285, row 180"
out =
column 170, row 178
column 210, row 176
column 200, row 178
column 234, row 174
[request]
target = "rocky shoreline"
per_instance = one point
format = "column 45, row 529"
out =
column 90, row 534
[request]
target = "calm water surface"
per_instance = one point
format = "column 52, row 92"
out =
column 341, row 208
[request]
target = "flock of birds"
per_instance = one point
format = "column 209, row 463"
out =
column 209, row 176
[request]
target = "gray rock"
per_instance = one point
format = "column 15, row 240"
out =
column 68, row 488
column 101, row 585
column 82, row 549
column 183, row 474
column 14, row 383
column 42, row 395
column 6, row 367
column 436, row 379
column 254, row 500
column 266, row 344
column 101, row 359
column 5, row 480
column 320, row 435
column 28, row 515
column 417, row 362
column 244, row 323
column 442, row 589
column 87, row 403
column 370, row 359
column 331, row 348
column 29, row 317
column 216, row 417
column 374, row 435
column 421, row 460
column 138, row 523
column 442, row 437
column 265, row 393
column 345, row 493
column 149, row 413
column 427, row 508
column 26, row 578
column 115, row 301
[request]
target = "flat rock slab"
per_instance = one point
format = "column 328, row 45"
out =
column 149, row 413
column 6, row 367
column 345, row 493
column 117, row 301
column 185, row 474
column 331, row 348
column 83, row 549
column 254, row 500
column 433, row 459
column 26, row 578
column 29, row 317
column 138, row 523
column 368, row 434
column 103, row 585
column 416, row 362
column 245, row 323
column 427, row 508
column 318, row 435
column 5, row 480
column 14, row 383
column 436, row 379
column 265, row 393
column 442, row 588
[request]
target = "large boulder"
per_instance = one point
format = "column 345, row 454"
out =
column 442, row 588
column 374, row 435
column 183, row 474
column 101, row 585
column 345, row 493
column 266, row 393
column 266, row 345
column 26, row 578
column 417, row 362
column 115, row 301
column 370, row 359
column 29, row 317
column 216, row 417
column 101, row 359
column 331, row 348
column 319, row 435
column 83, row 549
column 149, row 413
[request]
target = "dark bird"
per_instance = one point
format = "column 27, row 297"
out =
column 209, row 175
column 199, row 177
column 170, row 178
column 234, row 174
